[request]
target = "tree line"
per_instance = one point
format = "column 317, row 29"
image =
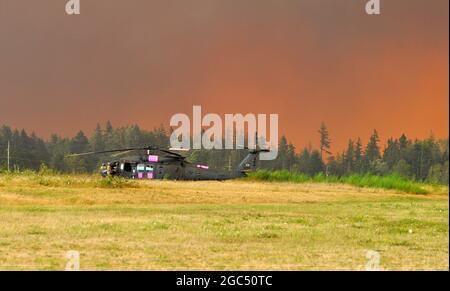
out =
column 422, row 160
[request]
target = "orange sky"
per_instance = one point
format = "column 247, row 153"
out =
column 141, row 61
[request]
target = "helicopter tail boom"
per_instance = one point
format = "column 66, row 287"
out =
column 249, row 162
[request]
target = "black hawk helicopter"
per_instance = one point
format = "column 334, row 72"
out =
column 159, row 163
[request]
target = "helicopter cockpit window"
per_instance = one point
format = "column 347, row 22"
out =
column 140, row 168
column 127, row 167
column 149, row 168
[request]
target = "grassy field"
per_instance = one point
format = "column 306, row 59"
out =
column 167, row 225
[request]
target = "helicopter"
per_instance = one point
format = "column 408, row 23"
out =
column 160, row 163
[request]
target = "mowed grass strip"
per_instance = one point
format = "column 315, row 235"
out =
column 166, row 225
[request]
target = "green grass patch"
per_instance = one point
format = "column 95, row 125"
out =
column 390, row 182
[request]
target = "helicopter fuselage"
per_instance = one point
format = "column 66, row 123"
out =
column 169, row 165
column 150, row 170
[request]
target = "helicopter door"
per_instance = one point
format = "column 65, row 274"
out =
column 140, row 171
column 149, row 170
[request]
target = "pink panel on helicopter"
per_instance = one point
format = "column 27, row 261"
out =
column 153, row 158
column 140, row 175
column 150, row 175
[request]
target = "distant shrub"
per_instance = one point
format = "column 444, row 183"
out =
column 115, row 182
column 44, row 170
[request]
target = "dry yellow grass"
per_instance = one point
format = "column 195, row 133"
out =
column 166, row 225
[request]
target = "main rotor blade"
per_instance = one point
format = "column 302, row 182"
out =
column 171, row 153
column 149, row 148
column 104, row 152
column 122, row 153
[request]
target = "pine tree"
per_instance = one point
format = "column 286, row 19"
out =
column 350, row 157
column 291, row 158
column 282, row 153
column 391, row 153
column 358, row 156
column 97, row 142
column 324, row 140
column 79, row 143
column 303, row 162
column 109, row 128
column 316, row 164
column 372, row 152
column 403, row 142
